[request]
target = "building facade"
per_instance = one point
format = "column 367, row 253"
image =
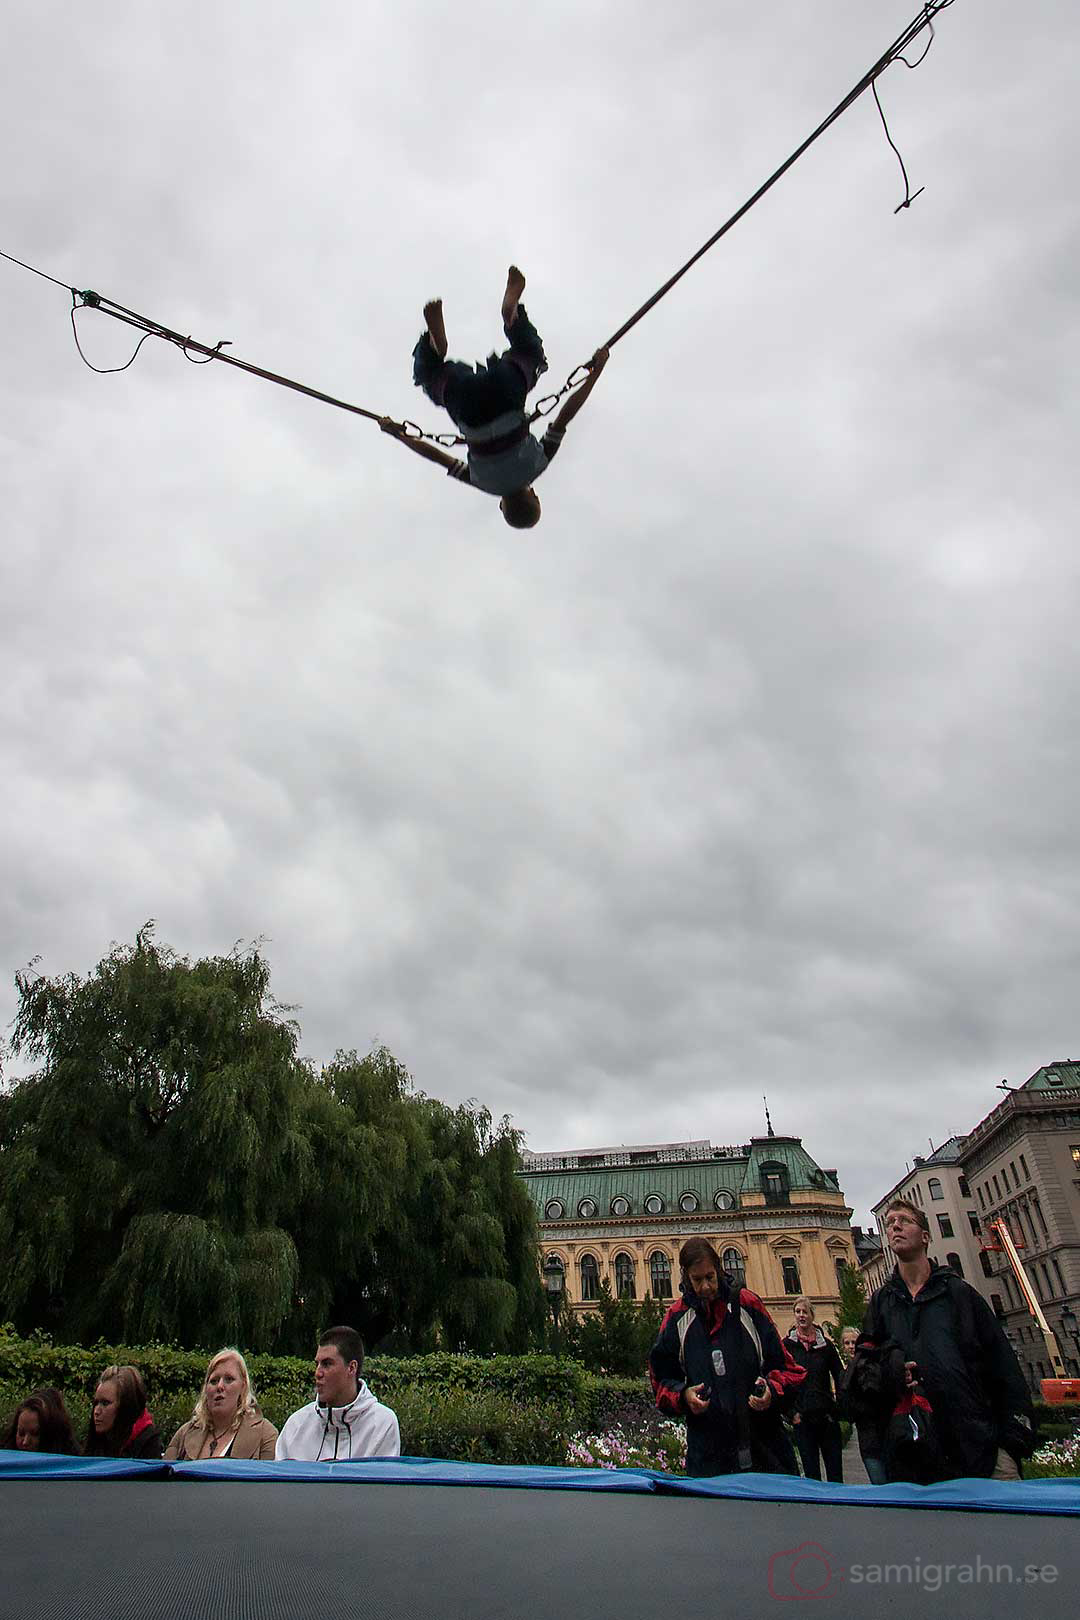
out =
column 779, row 1222
column 1023, row 1165
column 873, row 1262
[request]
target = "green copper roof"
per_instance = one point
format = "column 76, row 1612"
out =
column 635, row 1182
column 705, row 1178
column 1067, row 1071
column 788, row 1151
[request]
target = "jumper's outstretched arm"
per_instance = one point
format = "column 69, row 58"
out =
column 577, row 400
column 430, row 452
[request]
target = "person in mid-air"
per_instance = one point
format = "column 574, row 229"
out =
column 487, row 404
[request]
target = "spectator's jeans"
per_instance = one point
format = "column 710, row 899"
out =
column 819, row 1440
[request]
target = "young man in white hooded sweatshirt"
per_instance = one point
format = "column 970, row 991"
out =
column 344, row 1421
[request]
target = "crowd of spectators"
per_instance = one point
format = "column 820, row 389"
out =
column 343, row 1421
column 930, row 1383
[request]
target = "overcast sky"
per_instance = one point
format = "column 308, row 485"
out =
column 752, row 768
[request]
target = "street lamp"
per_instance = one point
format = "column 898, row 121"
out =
column 1068, row 1323
column 553, row 1282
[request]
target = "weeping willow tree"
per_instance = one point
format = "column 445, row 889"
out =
column 464, row 1257
column 172, row 1170
column 149, row 1165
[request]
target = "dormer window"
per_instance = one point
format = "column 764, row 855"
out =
column 554, row 1210
column 689, row 1202
column 774, row 1184
column 654, row 1204
column 587, row 1208
column 620, row 1205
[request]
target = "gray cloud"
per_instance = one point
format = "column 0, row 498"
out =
column 752, row 768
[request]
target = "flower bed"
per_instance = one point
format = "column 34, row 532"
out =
column 1058, row 1459
column 661, row 1447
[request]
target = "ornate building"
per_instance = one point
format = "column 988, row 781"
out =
column 1020, row 1164
column 1023, row 1164
column 779, row 1222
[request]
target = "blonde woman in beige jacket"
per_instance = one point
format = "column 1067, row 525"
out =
column 227, row 1421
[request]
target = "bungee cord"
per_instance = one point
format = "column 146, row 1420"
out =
column 925, row 19
column 189, row 346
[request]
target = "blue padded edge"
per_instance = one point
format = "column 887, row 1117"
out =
column 1053, row 1496
column 426, row 1471
column 46, row 1465
column 1060, row 1496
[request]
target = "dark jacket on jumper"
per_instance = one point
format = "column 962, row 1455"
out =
column 824, row 1370
column 966, row 1367
column 143, row 1442
column 726, row 1346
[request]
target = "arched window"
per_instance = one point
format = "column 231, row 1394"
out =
column 553, row 1210
column 587, row 1208
column 659, row 1275
column 954, row 1261
column 688, row 1202
column 934, row 1188
column 624, row 1276
column 590, row 1277
column 654, row 1204
column 620, row 1205
column 732, row 1262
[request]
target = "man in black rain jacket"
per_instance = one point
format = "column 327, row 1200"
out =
column 955, row 1347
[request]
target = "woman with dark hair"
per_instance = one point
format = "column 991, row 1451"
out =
column 120, row 1425
column 41, row 1423
column 720, row 1364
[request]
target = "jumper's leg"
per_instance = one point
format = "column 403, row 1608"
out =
column 515, row 286
column 433, row 315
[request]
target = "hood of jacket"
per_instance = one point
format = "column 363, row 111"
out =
column 363, row 1428
column 819, row 1342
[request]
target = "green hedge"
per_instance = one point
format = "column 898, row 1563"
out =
column 628, row 1402
column 169, row 1371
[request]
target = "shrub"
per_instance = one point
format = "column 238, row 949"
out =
column 611, row 1402
column 283, row 1383
column 483, row 1427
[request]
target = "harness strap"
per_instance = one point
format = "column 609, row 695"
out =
column 495, row 447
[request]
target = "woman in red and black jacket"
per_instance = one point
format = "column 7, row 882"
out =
column 120, row 1424
column 817, row 1432
column 720, row 1364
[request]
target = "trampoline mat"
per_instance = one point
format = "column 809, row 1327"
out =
column 236, row 1550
